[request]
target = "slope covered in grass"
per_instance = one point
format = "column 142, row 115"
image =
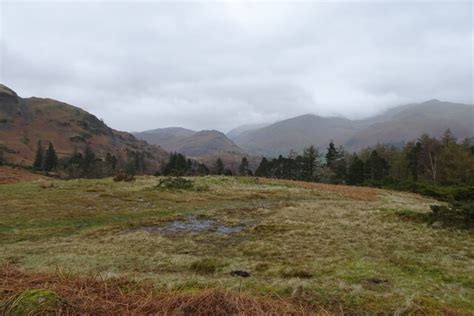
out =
column 336, row 248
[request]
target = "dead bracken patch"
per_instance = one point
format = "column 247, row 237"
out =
column 13, row 175
column 352, row 192
column 93, row 296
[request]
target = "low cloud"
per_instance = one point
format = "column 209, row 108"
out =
column 217, row 65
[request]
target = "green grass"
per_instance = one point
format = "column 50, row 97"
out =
column 334, row 248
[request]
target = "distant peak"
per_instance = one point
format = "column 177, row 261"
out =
column 432, row 101
column 5, row 90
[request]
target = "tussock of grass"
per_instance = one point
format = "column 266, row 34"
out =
column 296, row 273
column 206, row 266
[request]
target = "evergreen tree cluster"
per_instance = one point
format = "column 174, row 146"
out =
column 427, row 160
column 45, row 160
column 87, row 164
column 179, row 165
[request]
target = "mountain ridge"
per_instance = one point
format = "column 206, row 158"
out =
column 25, row 121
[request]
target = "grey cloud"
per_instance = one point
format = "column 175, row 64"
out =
column 220, row 64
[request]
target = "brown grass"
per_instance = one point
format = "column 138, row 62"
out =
column 93, row 296
column 351, row 192
column 13, row 175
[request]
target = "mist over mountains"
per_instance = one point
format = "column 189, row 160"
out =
column 25, row 121
column 396, row 126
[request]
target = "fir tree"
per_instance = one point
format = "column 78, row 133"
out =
column 413, row 158
column 244, row 167
column 356, row 171
column 38, row 164
column 311, row 164
column 51, row 159
column 376, row 167
column 218, row 166
column 263, row 169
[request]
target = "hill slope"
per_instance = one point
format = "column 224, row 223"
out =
column 167, row 137
column 294, row 134
column 205, row 146
column 406, row 123
column 396, row 126
column 24, row 121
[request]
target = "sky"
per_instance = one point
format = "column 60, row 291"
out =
column 220, row 64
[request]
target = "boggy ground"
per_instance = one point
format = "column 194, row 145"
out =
column 331, row 248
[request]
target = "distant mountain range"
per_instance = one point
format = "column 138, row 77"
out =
column 396, row 126
column 25, row 121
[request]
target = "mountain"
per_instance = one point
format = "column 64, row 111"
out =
column 205, row 146
column 25, row 121
column 165, row 137
column 405, row 123
column 395, row 126
column 295, row 134
column 236, row 132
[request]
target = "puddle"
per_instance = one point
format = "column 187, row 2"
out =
column 191, row 225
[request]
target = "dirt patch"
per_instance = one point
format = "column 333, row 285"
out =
column 13, row 175
column 92, row 296
column 191, row 225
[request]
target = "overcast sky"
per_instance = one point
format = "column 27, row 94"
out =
column 216, row 65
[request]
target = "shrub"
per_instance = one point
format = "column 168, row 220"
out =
column 122, row 176
column 177, row 183
column 460, row 214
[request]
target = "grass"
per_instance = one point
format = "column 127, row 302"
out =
column 341, row 248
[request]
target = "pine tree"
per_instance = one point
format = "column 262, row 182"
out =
column 51, row 159
column 263, row 168
column 332, row 155
column 448, row 138
column 111, row 161
column 311, row 164
column 336, row 163
column 88, row 162
column 38, row 164
column 413, row 158
column 376, row 167
column 218, row 166
column 244, row 167
column 356, row 171
column 202, row 169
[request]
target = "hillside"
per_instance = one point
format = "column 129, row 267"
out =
column 167, row 138
column 25, row 121
column 396, row 126
column 205, row 146
column 406, row 123
column 235, row 132
column 295, row 134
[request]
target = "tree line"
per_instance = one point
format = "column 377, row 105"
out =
column 87, row 164
column 442, row 161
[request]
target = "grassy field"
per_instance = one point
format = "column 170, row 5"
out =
column 343, row 249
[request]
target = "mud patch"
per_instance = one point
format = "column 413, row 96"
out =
column 191, row 225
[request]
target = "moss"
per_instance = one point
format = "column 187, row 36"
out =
column 34, row 301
